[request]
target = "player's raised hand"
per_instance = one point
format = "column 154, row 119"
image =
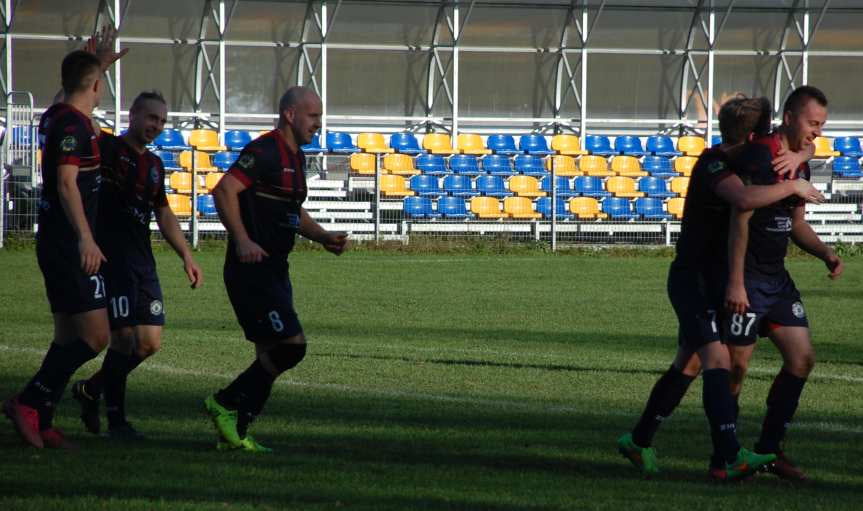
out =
column 834, row 264
column 787, row 161
column 807, row 192
column 193, row 272
column 102, row 46
column 250, row 252
column 335, row 242
column 736, row 300
column 91, row 256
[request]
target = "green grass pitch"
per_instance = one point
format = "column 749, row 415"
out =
column 494, row 382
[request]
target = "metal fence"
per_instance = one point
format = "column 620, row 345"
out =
column 19, row 186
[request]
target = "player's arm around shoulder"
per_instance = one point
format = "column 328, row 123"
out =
column 169, row 226
column 806, row 238
column 335, row 242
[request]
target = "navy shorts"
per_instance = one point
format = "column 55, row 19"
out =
column 773, row 301
column 134, row 294
column 262, row 298
column 69, row 289
column 697, row 302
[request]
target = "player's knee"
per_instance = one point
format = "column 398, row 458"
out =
column 123, row 340
column 286, row 356
column 148, row 349
column 802, row 364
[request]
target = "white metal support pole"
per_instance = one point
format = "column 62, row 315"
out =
column 377, row 197
column 456, row 33
column 805, row 57
column 584, row 34
column 324, row 27
column 118, row 84
column 709, row 106
column 222, row 99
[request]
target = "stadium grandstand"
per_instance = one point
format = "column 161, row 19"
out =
column 452, row 118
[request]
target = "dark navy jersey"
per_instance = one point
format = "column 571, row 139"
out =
column 270, row 206
column 769, row 227
column 133, row 186
column 703, row 241
column 66, row 137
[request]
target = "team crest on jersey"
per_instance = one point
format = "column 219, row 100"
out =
column 68, row 144
column 156, row 308
column 798, row 310
column 154, row 175
column 715, row 167
column 246, row 161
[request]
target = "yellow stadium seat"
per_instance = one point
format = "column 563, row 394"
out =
column 212, row 179
column 373, row 143
column 627, row 166
column 563, row 165
column 675, row 206
column 205, row 140
column 824, row 148
column 567, row 144
column 486, row 207
column 438, row 143
column 181, row 205
column 519, row 207
column 202, row 161
column 593, row 165
column 107, row 130
column 363, row 163
column 684, row 165
column 401, row 164
column 680, row 185
column 525, row 186
column 181, row 181
column 622, row 186
column 586, row 207
column 470, row 143
column 690, row 146
column 394, row 186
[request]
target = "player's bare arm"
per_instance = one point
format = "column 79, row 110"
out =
column 70, row 198
column 805, row 237
column 170, row 229
column 736, row 300
column 335, row 242
column 228, row 206
column 746, row 198
column 102, row 46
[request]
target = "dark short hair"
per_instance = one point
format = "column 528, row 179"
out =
column 76, row 69
column 741, row 116
column 801, row 96
column 151, row 95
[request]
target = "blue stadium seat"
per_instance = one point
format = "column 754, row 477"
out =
column 492, row 186
column 206, row 205
column 628, row 145
column 459, row 186
column 543, row 206
column 236, row 140
column 420, row 207
column 846, row 166
column 405, row 143
column 658, row 166
column 224, row 159
column 651, row 209
column 662, row 145
column 465, row 164
column 21, row 135
column 431, row 164
column 562, row 187
column 534, row 144
column 654, row 187
column 599, row 145
column 848, row 146
column 530, row 165
column 172, row 140
column 453, row 207
column 169, row 159
column 715, row 140
column 313, row 147
column 425, row 185
column 497, row 165
column 339, row 142
column 590, row 186
column 501, row 144
column 618, row 208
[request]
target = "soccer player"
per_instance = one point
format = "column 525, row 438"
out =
column 696, row 282
column 66, row 250
column 761, row 295
column 260, row 203
column 132, row 191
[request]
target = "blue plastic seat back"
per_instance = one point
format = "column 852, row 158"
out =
column 846, row 164
column 206, row 205
column 237, row 139
column 650, row 207
column 491, row 185
column 628, row 145
column 169, row 159
column 561, row 185
column 543, row 206
column 458, row 185
column 497, row 164
column 431, row 163
column 453, row 207
column 464, row 164
column 170, row 138
column 848, row 146
column 405, row 143
column 224, row 159
column 588, row 184
column 657, row 164
column 314, row 146
column 598, row 144
column 662, row 145
column 617, row 207
column 715, row 140
column 339, row 142
column 654, row 186
column 533, row 144
column 501, row 144
column 529, row 164
column 425, row 185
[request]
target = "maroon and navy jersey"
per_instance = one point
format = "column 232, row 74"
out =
column 276, row 181
column 703, row 241
column 769, row 227
column 133, row 187
column 66, row 137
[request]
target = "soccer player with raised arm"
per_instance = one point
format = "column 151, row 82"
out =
column 260, row 203
column 696, row 286
column 66, row 250
column 761, row 296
